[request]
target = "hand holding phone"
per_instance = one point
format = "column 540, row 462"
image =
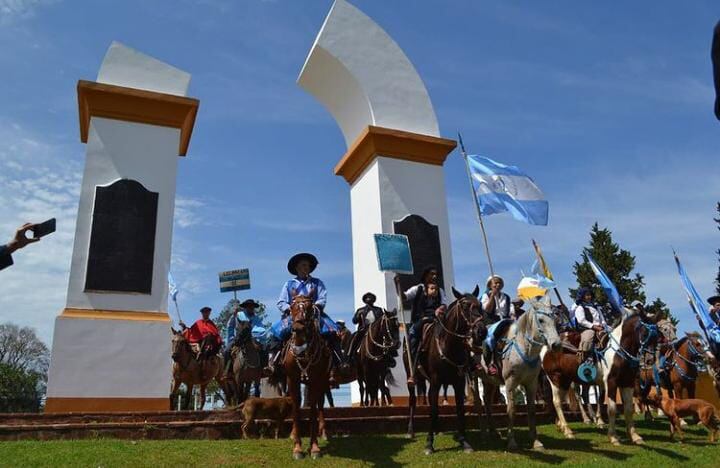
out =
column 43, row 229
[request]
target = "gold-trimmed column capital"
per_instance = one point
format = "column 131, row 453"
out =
column 136, row 105
column 379, row 141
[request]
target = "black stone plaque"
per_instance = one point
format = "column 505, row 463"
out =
column 122, row 240
column 424, row 239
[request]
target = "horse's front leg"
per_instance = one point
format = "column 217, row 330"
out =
column 627, row 399
column 510, row 386
column 412, row 403
column 473, row 384
column 321, row 417
column 190, row 403
column 459, row 389
column 314, row 396
column 434, row 396
column 530, row 392
column 558, row 396
column 489, row 391
column 611, row 391
column 173, row 391
column 293, row 387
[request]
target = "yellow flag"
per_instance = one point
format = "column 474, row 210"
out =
column 543, row 265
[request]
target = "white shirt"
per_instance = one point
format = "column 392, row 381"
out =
column 412, row 292
column 598, row 318
column 500, row 304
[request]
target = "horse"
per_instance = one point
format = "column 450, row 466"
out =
column 247, row 365
column 446, row 359
column 375, row 353
column 628, row 343
column 649, row 375
column 522, row 343
column 307, row 361
column 191, row 371
column 561, row 369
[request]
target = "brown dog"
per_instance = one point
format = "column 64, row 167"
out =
column 676, row 409
column 276, row 409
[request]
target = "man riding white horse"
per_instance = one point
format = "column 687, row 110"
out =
column 499, row 312
column 302, row 265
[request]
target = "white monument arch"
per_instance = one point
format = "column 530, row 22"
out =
column 111, row 345
column 395, row 154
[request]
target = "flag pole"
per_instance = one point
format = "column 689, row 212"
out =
column 541, row 259
column 477, row 204
column 177, row 309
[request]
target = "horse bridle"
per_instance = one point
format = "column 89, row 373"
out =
column 652, row 332
column 463, row 307
column 384, row 348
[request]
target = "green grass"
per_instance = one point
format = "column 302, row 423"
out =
column 591, row 448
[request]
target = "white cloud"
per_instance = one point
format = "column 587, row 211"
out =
column 19, row 9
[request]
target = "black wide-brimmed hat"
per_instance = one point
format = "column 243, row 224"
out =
column 712, row 300
column 206, row 308
column 249, row 302
column 369, row 295
column 297, row 258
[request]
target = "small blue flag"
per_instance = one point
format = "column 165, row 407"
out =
column 173, row 289
column 500, row 188
column 610, row 290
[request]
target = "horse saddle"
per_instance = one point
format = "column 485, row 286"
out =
column 571, row 338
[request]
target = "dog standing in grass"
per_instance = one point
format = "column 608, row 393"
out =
column 275, row 409
column 676, row 409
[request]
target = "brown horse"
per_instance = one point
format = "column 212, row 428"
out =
column 307, row 361
column 189, row 370
column 246, row 366
column 687, row 354
column 375, row 352
column 446, row 359
column 628, row 343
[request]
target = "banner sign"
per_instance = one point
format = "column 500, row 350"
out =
column 393, row 253
column 234, row 280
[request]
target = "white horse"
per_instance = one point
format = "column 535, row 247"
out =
column 523, row 341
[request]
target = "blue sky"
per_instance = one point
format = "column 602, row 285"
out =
column 608, row 107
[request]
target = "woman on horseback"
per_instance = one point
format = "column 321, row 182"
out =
column 590, row 321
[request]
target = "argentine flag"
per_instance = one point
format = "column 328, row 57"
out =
column 500, row 188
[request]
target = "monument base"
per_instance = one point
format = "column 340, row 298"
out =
column 110, row 361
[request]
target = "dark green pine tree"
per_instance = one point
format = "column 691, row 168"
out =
column 717, row 278
column 659, row 307
column 617, row 263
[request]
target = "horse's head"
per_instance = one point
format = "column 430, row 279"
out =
column 301, row 308
column 697, row 351
column 179, row 345
column 668, row 331
column 468, row 307
column 542, row 312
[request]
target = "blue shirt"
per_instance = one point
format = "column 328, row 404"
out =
column 311, row 287
column 258, row 330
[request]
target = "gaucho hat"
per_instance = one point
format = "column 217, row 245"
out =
column 248, row 303
column 712, row 300
column 297, row 258
column 369, row 295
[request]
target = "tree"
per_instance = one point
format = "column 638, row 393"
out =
column 717, row 278
column 617, row 263
column 659, row 307
column 24, row 362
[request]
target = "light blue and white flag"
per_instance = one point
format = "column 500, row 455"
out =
column 173, row 289
column 500, row 188
column 608, row 287
column 712, row 331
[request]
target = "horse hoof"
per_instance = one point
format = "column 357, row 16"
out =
column 410, row 435
column 638, row 441
column 298, row 455
column 429, row 450
column 600, row 425
column 615, row 441
column 537, row 445
column 512, row 446
column 569, row 435
column 467, row 448
column 315, row 455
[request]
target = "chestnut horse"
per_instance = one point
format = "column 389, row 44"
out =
column 374, row 355
column 446, row 360
column 189, row 370
column 628, row 343
column 307, row 361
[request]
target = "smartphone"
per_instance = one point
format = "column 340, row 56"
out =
column 44, row 228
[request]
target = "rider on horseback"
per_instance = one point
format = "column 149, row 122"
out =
column 301, row 265
column 250, row 325
column 590, row 321
column 499, row 311
column 199, row 331
column 428, row 302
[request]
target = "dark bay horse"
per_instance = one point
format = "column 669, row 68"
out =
column 628, row 343
column 307, row 361
column 446, row 360
column 375, row 353
column 246, row 367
